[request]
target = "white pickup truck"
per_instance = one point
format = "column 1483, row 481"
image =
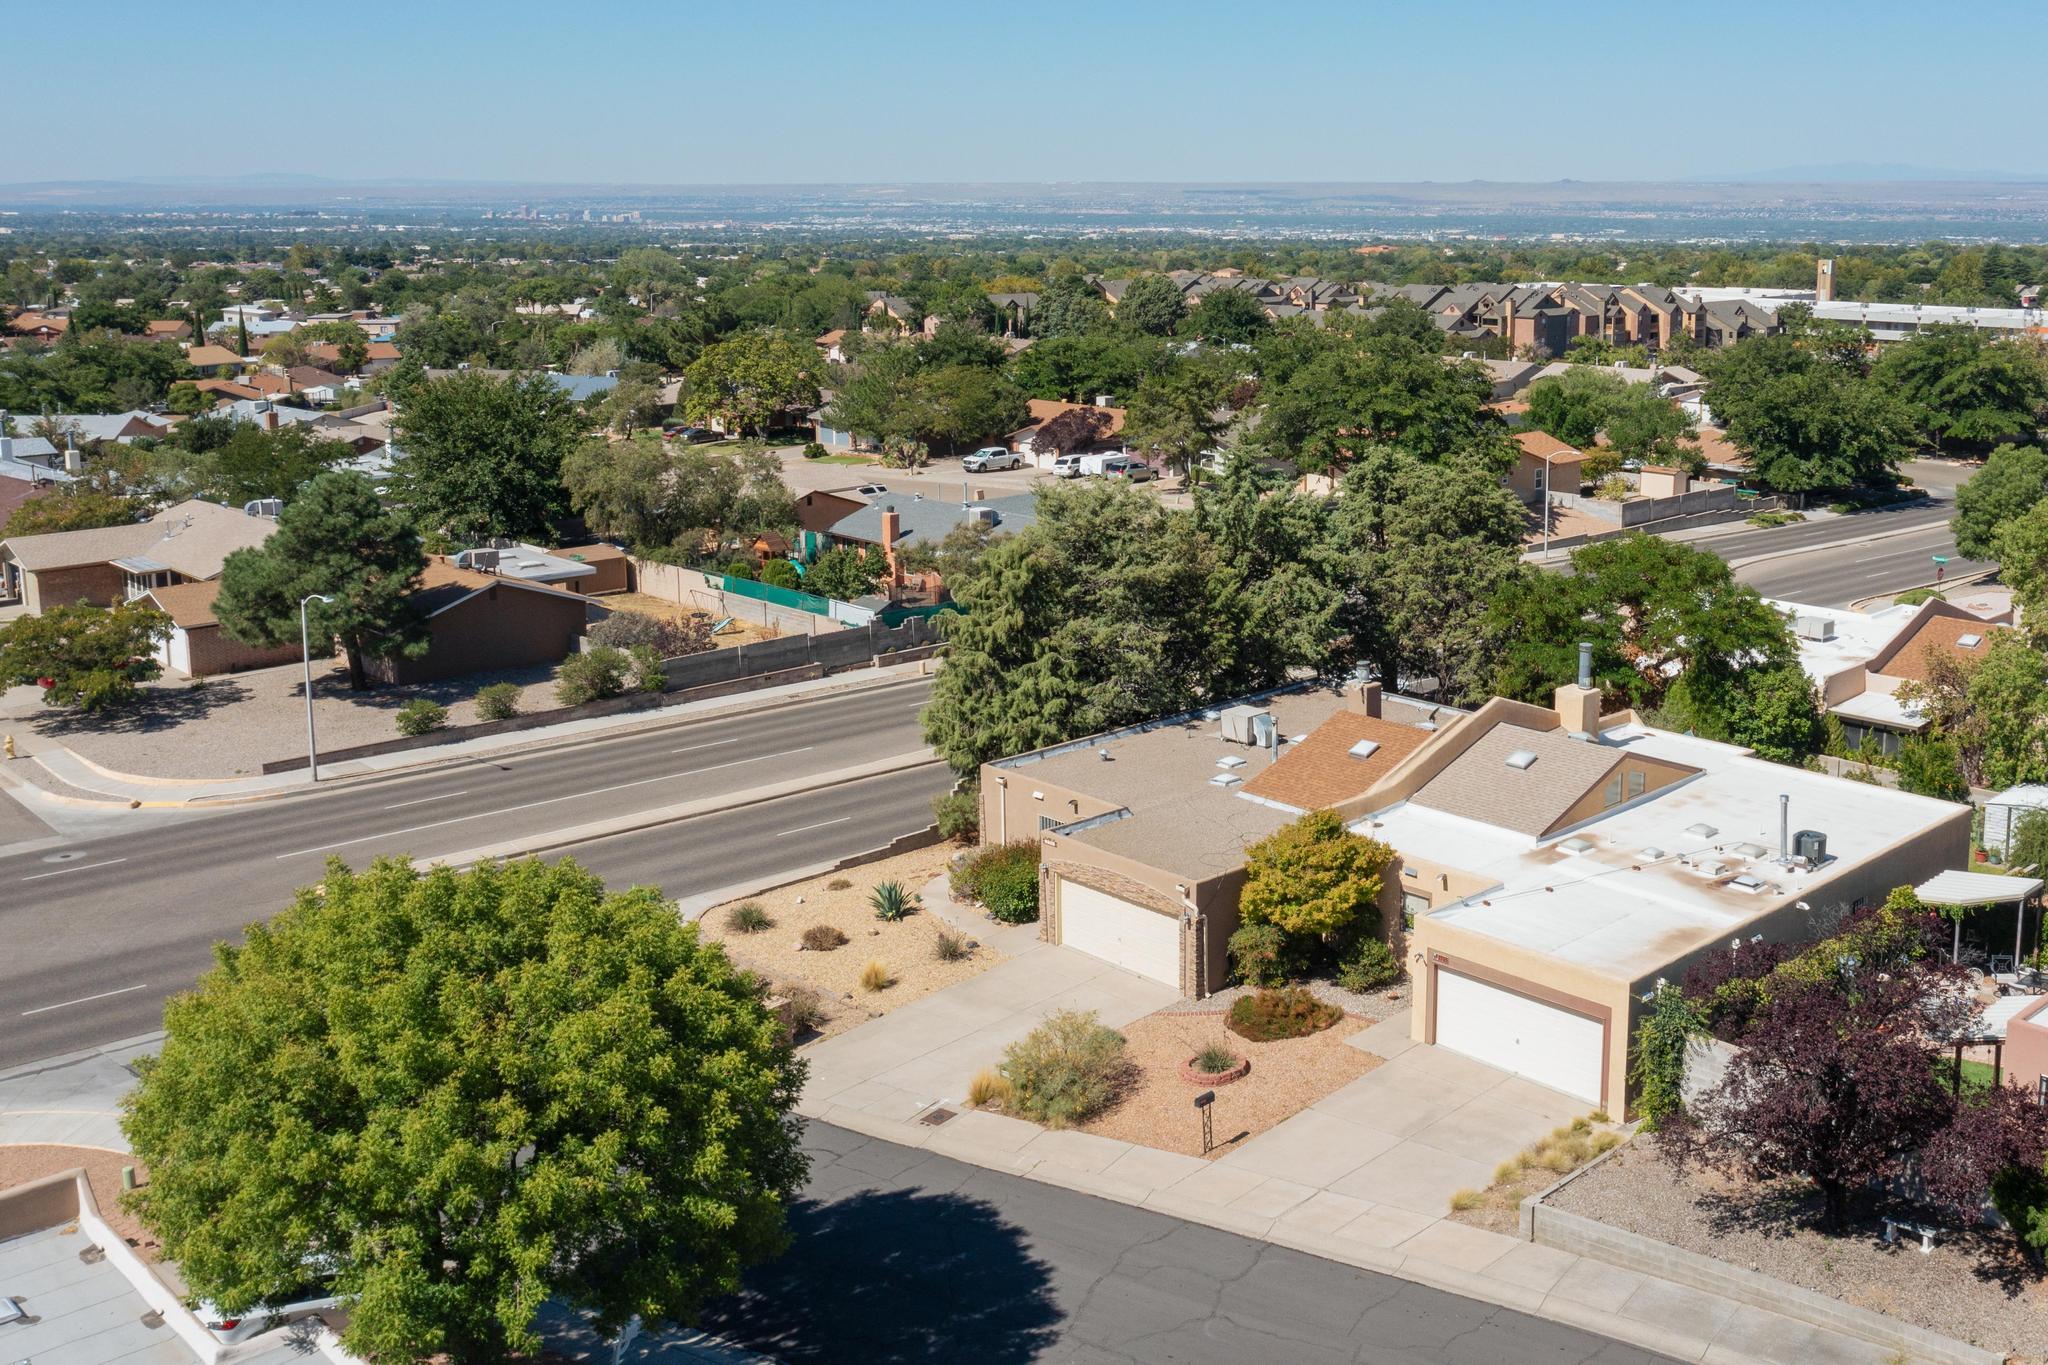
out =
column 990, row 458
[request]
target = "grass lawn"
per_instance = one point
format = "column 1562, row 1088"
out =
column 1976, row 1075
column 840, row 459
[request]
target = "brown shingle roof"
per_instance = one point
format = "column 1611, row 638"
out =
column 211, row 355
column 1937, row 634
column 1545, row 447
column 1319, row 770
column 189, row 605
column 1479, row 785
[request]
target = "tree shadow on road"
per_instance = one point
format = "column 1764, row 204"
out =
column 896, row 1276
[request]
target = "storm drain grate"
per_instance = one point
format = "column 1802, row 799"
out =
column 932, row 1118
column 153, row 1319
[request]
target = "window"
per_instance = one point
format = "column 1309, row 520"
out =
column 1413, row 904
column 1635, row 783
column 1611, row 794
column 2041, row 1092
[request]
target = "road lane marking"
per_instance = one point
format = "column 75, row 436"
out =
column 529, row 805
column 84, row 1000
column 820, row 825
column 83, row 867
column 422, row 800
column 692, row 748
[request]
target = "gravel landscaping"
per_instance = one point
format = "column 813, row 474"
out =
column 1371, row 1007
column 29, row 1161
column 1287, row 1077
column 908, row 947
column 1974, row 1287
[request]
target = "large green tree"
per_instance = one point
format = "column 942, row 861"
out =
column 650, row 493
column 2012, row 482
column 1361, row 386
column 1965, row 387
column 1314, row 876
column 1152, row 305
column 482, row 456
column 335, row 538
column 80, row 506
column 90, row 657
column 752, row 382
column 471, row 1093
column 1802, row 408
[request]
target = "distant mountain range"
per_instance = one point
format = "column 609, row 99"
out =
column 1874, row 172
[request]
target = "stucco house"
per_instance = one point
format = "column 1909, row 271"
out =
column 185, row 543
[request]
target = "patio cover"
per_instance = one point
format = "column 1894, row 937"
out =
column 1975, row 888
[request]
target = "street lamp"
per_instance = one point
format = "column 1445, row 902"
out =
column 306, row 654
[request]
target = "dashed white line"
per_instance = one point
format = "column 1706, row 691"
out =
column 820, row 825
column 422, row 800
column 84, row 1000
column 692, row 748
column 82, row 867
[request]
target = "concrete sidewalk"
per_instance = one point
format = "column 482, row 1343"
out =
column 1362, row 1177
column 45, row 764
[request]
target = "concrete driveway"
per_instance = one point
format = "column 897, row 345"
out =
column 1411, row 1133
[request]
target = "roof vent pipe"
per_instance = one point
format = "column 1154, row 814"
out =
column 1585, row 663
column 1784, row 828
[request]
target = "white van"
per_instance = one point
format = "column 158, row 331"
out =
column 1068, row 467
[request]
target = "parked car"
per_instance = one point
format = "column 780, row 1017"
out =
column 695, row 436
column 1067, row 467
column 991, row 457
column 315, row 1296
column 873, row 490
column 1134, row 470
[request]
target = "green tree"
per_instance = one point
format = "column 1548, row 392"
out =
column 1178, row 413
column 1151, row 304
column 1313, row 877
column 845, row 573
column 1929, row 765
column 1807, row 417
column 337, row 539
column 1774, row 711
column 652, row 494
column 1363, row 387
column 1068, row 306
column 2020, row 544
column 2013, row 480
column 254, row 463
column 1226, row 317
column 483, row 456
column 474, row 1092
column 1963, row 386
column 92, row 656
column 73, row 507
column 752, row 382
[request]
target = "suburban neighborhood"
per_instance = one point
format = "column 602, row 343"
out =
column 672, row 748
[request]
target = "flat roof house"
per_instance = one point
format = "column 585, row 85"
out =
column 1859, row 660
column 1550, row 864
column 185, row 543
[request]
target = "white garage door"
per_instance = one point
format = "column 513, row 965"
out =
column 1550, row 1046
column 1113, row 929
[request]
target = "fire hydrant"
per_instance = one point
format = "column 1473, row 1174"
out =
column 10, row 746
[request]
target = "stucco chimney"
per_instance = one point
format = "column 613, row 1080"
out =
column 1369, row 698
column 892, row 527
column 269, row 418
column 74, row 463
column 1578, row 704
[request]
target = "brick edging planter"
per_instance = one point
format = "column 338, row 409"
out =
column 1236, row 1073
column 1585, row 1236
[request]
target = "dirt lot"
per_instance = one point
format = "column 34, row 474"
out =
column 906, row 947
column 21, row 1164
column 1286, row 1077
column 1974, row 1286
column 738, row 633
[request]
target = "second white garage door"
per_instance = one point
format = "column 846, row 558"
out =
column 1115, row 930
column 1550, row 1046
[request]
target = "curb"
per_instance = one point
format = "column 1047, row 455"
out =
column 1771, row 555
column 694, row 907
column 1959, row 581
column 64, row 1059
column 544, row 742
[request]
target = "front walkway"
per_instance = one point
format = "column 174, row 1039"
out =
column 1363, row 1177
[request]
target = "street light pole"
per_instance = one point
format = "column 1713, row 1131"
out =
column 306, row 655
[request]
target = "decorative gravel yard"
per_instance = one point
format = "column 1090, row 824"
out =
column 908, row 949
column 1286, row 1077
column 1974, row 1286
column 22, row 1163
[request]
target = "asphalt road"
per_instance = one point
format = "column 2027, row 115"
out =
column 98, row 932
column 902, row 1256
column 1839, row 560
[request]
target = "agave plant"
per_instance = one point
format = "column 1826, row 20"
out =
column 891, row 901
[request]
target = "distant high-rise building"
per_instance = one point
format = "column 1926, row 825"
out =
column 1824, row 280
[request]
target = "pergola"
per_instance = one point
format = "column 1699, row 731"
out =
column 1989, row 1029
column 1973, row 890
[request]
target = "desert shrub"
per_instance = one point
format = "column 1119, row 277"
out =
column 1215, row 1058
column 958, row 815
column 839, row 884
column 499, row 701
column 1368, row 966
column 891, row 901
column 645, row 673
column 807, row 1010
column 1290, row 1012
column 1259, row 955
column 875, row 977
column 1466, row 1199
column 748, row 917
column 989, row 1089
column 1657, row 1061
column 780, row 573
column 742, row 568
column 668, row 638
column 823, row 938
column 950, row 947
column 592, row 675
column 1003, row 877
column 1067, row 1069
column 420, row 717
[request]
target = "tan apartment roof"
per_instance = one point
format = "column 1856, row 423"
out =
column 1545, row 447
column 1320, row 769
column 189, row 605
column 1480, row 785
column 1937, row 634
column 211, row 355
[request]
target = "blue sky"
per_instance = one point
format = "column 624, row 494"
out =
column 678, row 93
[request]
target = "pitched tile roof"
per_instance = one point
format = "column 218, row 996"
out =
column 1937, row 635
column 1480, row 785
column 1543, row 446
column 1320, row 769
column 211, row 355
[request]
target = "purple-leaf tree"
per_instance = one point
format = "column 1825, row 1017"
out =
column 1995, row 1148
column 1835, row 1083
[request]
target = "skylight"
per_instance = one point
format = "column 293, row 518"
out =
column 1225, row 780
column 1521, row 759
column 1968, row 641
column 1701, row 831
column 1365, row 748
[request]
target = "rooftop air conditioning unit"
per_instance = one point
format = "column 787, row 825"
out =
column 1238, row 723
column 1102, row 400
column 982, row 516
column 1811, row 845
column 1814, row 628
column 483, row 561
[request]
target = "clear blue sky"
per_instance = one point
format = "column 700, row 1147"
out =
column 789, row 90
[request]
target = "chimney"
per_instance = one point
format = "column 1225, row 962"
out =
column 269, row 418
column 1824, row 280
column 1369, row 698
column 74, row 463
column 892, row 527
column 1784, row 828
column 1578, row 705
